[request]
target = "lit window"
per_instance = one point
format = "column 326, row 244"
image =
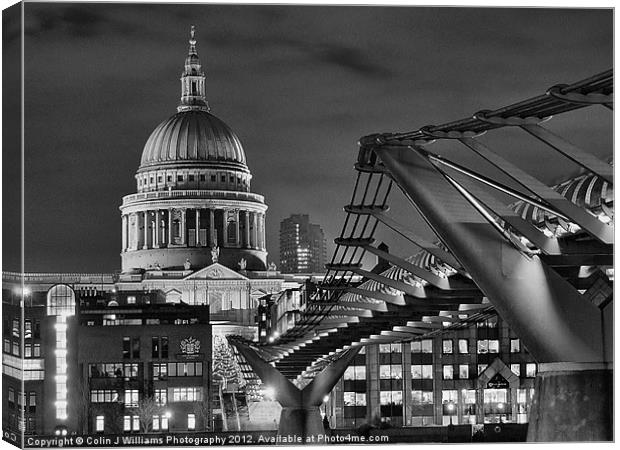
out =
column 423, row 371
column 449, row 395
column 61, row 409
column 390, row 371
column 126, row 423
column 191, row 422
column 354, row 399
column 515, row 346
column 481, row 368
column 99, row 423
column 131, row 299
column 155, row 423
column 469, row 396
column 161, row 396
column 464, row 371
column 126, row 347
column 448, row 372
column 516, row 369
column 11, row 397
column 131, row 397
column 427, row 346
column 494, row 346
column 483, row 346
column 186, row 394
column 530, row 370
column 60, row 301
column 355, row 373
column 447, row 346
column 463, row 346
column 422, row 397
column 391, row 397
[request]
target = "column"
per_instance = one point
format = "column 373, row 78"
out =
column 169, row 226
column 157, row 230
column 407, row 398
column 183, row 226
column 211, row 227
column 479, row 403
column 373, row 389
column 197, row 227
column 124, row 232
column 513, row 404
column 255, row 231
column 247, row 228
column 131, row 231
column 262, row 231
column 224, row 227
column 145, row 233
column 237, row 237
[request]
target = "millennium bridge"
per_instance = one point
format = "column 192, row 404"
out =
column 540, row 256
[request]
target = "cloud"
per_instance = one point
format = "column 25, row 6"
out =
column 82, row 21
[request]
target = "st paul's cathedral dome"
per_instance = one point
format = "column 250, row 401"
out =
column 193, row 204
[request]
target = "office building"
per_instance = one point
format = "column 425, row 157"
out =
column 302, row 245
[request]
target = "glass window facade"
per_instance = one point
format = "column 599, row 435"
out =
column 422, row 371
column 530, row 370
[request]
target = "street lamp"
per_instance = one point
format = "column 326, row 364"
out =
column 451, row 408
column 325, row 400
column 23, row 292
column 500, row 406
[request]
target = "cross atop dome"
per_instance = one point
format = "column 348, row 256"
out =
column 193, row 96
column 192, row 40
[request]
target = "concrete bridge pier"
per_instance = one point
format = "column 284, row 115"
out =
column 572, row 402
column 300, row 416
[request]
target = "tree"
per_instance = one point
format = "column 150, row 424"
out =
column 146, row 409
column 225, row 366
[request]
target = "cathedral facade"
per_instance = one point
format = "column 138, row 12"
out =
column 87, row 351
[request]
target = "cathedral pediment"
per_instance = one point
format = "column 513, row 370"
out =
column 215, row 271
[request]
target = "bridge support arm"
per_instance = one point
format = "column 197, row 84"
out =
column 556, row 323
column 300, row 415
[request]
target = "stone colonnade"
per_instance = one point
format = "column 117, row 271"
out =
column 193, row 227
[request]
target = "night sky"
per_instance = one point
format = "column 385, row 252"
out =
column 298, row 84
